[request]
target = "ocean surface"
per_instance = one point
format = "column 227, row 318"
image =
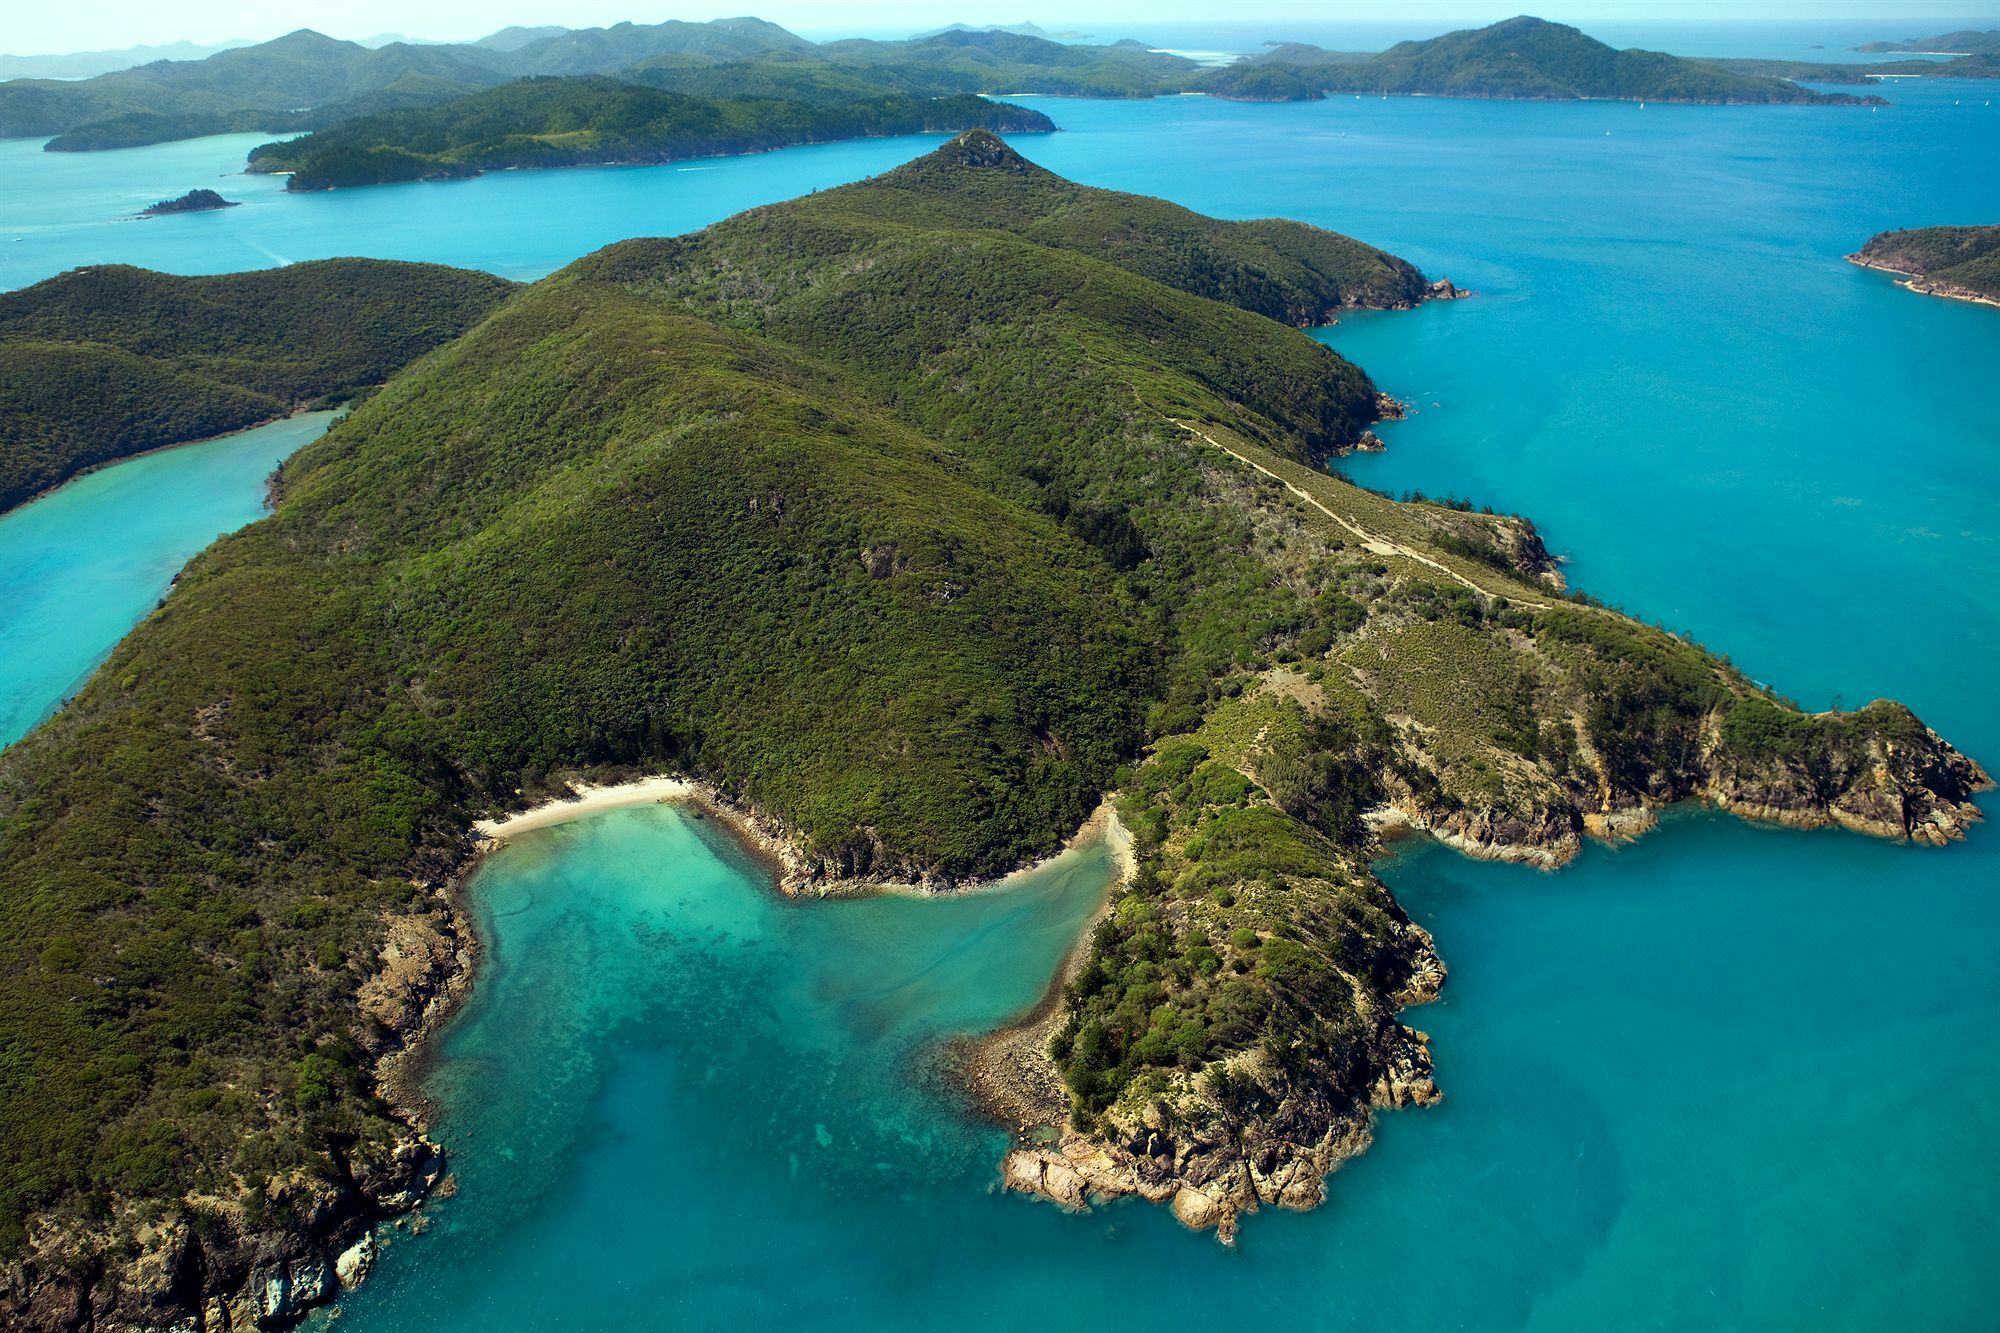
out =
column 81, row 565
column 1724, row 1077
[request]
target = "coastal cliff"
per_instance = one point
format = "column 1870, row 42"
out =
column 913, row 517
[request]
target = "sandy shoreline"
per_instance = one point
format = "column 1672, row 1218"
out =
column 589, row 800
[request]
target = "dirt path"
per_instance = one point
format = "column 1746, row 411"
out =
column 1374, row 542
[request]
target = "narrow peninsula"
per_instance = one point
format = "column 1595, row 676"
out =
column 1962, row 263
column 915, row 518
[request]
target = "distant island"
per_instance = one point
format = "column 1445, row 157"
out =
column 1964, row 67
column 1015, row 29
column 1521, row 58
column 910, row 521
column 586, row 120
column 194, row 201
column 308, row 81
column 1964, row 42
column 1962, row 263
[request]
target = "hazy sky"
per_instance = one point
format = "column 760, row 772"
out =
column 35, row 27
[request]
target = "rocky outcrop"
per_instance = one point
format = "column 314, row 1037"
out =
column 194, row 201
column 1245, row 1133
column 1897, row 780
column 223, row 1271
column 1259, row 1125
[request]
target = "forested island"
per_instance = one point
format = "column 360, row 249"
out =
column 102, row 363
column 587, row 120
column 1962, row 263
column 194, row 201
column 307, row 81
column 1519, row 58
column 914, row 517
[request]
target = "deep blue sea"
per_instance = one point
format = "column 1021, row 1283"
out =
column 1725, row 1077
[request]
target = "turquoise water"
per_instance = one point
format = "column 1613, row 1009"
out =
column 81, row 565
column 1724, row 1077
column 1689, row 1085
column 676, row 1097
column 77, row 208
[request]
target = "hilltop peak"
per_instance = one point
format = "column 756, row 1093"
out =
column 981, row 148
column 949, row 165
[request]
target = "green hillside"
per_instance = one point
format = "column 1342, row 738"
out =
column 556, row 122
column 101, row 363
column 915, row 515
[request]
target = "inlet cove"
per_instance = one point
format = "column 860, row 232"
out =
column 1303, row 702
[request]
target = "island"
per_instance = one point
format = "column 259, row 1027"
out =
column 194, row 201
column 909, row 522
column 590, row 120
column 1962, row 263
column 1521, row 58
column 106, row 362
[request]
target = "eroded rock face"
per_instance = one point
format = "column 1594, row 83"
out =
column 235, row 1275
column 1272, row 1139
column 356, row 1261
column 1917, row 788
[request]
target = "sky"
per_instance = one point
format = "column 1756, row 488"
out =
column 30, row 28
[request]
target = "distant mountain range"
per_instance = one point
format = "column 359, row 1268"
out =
column 1016, row 29
column 308, row 81
column 85, row 64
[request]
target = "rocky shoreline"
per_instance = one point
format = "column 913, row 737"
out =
column 1215, row 1148
column 1211, row 1154
column 1260, row 1134
column 1910, row 280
